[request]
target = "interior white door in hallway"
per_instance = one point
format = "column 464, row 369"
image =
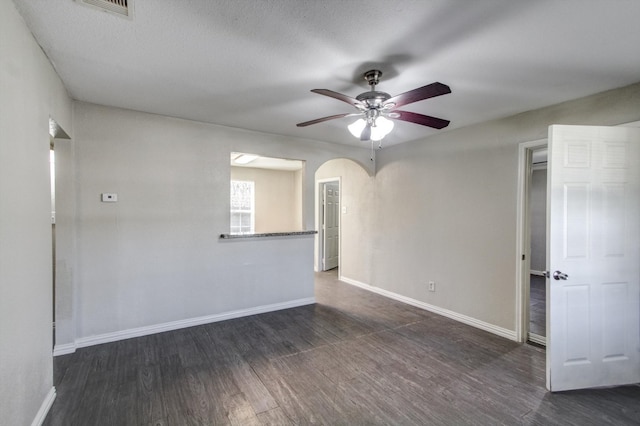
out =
column 330, row 225
column 593, row 287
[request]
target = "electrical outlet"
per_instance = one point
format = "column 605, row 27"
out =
column 432, row 286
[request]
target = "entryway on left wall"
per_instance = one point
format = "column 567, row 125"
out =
column 55, row 132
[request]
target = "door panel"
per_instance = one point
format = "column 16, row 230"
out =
column 594, row 238
column 331, row 225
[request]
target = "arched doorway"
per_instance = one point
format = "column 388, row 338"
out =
column 343, row 219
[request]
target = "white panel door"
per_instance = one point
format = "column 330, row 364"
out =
column 331, row 225
column 593, row 315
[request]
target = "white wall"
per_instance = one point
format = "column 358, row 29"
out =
column 30, row 92
column 446, row 208
column 299, row 182
column 538, row 218
column 155, row 256
column 357, row 197
column 277, row 198
column 65, row 305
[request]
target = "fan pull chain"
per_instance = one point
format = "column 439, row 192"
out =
column 372, row 150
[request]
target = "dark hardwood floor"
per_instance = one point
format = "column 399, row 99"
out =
column 537, row 305
column 354, row 358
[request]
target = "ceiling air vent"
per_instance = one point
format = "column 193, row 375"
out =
column 118, row 7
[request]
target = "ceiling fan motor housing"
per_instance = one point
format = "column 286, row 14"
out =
column 373, row 98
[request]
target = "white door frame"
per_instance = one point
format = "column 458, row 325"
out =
column 523, row 243
column 525, row 150
column 318, row 215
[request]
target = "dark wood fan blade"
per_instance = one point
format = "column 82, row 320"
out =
column 425, row 120
column 339, row 96
column 415, row 95
column 366, row 133
column 331, row 117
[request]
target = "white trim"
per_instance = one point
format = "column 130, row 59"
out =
column 522, row 240
column 536, row 338
column 67, row 348
column 317, row 255
column 539, row 166
column 538, row 273
column 500, row 331
column 41, row 415
column 176, row 325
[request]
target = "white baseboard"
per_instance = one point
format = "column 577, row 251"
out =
column 83, row 342
column 538, row 273
column 536, row 338
column 67, row 348
column 500, row 331
column 44, row 408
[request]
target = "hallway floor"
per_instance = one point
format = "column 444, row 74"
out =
column 538, row 305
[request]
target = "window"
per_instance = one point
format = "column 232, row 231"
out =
column 242, row 207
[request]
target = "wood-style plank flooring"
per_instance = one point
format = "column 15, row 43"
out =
column 537, row 305
column 354, row 358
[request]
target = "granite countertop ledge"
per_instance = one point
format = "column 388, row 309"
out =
column 267, row 235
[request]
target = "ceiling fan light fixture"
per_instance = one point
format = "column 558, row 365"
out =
column 381, row 128
column 357, row 127
column 379, row 108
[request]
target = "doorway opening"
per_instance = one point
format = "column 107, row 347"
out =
column 55, row 133
column 538, row 247
column 52, row 171
column 532, row 243
column 329, row 193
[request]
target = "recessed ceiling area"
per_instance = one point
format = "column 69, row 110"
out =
column 252, row 64
column 240, row 159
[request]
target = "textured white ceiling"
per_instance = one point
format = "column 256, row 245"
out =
column 251, row 64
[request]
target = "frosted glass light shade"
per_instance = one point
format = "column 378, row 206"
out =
column 380, row 130
column 357, row 127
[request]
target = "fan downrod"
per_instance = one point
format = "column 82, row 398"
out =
column 373, row 98
column 373, row 77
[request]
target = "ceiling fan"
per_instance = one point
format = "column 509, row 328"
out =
column 375, row 108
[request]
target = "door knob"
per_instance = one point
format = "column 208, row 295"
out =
column 560, row 276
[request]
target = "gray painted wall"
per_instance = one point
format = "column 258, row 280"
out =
column 30, row 93
column 154, row 257
column 446, row 207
